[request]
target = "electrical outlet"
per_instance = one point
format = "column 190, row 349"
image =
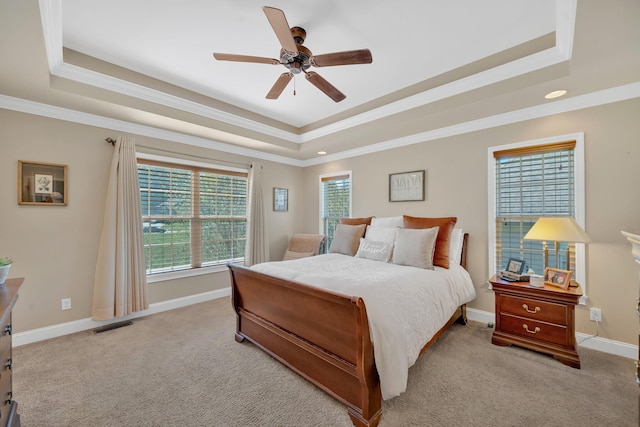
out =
column 66, row 303
column 595, row 314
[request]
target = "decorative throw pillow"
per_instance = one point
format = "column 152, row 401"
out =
column 446, row 225
column 381, row 234
column 295, row 255
column 391, row 222
column 356, row 221
column 415, row 247
column 455, row 247
column 377, row 251
column 346, row 239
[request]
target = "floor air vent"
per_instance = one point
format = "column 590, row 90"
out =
column 112, row 326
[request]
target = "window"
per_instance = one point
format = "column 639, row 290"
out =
column 192, row 216
column 530, row 180
column 335, row 202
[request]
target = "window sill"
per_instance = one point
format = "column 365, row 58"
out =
column 172, row 275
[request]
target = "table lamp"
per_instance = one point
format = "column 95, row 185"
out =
column 557, row 229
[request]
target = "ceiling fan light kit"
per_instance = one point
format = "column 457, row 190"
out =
column 298, row 58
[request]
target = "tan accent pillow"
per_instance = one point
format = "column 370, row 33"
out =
column 356, row 221
column 446, row 224
column 305, row 243
column 415, row 247
column 346, row 239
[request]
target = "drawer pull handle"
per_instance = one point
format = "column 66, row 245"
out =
column 526, row 307
column 526, row 328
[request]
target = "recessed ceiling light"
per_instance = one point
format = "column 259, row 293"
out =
column 555, row 94
column 322, row 153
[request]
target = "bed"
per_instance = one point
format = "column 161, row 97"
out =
column 317, row 327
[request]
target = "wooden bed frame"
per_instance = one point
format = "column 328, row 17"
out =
column 321, row 335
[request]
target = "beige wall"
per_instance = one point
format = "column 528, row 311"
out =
column 456, row 171
column 55, row 248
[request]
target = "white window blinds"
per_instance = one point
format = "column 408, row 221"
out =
column 335, row 203
column 192, row 217
column 531, row 182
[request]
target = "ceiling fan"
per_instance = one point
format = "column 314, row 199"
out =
column 297, row 58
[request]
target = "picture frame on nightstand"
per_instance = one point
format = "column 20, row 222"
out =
column 558, row 278
column 515, row 266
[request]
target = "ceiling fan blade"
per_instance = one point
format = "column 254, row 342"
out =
column 362, row 56
column 280, row 26
column 245, row 58
column 279, row 86
column 325, row 86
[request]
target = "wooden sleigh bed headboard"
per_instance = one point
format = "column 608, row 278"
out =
column 321, row 335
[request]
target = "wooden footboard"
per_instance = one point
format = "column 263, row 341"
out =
column 321, row 335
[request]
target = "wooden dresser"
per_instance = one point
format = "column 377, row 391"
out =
column 541, row 319
column 8, row 407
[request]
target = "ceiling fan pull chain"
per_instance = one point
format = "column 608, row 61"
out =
column 294, row 85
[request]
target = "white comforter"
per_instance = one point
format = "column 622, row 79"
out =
column 406, row 306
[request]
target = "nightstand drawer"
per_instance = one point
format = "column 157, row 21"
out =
column 534, row 309
column 533, row 329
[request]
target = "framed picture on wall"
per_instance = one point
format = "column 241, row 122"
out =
column 42, row 183
column 406, row 186
column 280, row 199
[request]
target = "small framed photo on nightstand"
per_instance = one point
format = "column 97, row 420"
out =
column 558, row 278
column 515, row 266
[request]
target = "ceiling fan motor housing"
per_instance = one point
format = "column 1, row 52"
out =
column 301, row 61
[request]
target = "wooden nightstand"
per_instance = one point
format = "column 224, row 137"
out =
column 541, row 319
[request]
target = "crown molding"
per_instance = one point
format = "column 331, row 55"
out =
column 66, row 114
column 594, row 99
column 515, row 68
column 51, row 15
column 92, row 78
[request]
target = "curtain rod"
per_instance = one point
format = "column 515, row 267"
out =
column 247, row 165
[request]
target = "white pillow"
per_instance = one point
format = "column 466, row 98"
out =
column 381, row 234
column 377, row 251
column 415, row 246
column 455, row 245
column 391, row 222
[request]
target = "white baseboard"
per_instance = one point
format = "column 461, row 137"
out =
column 34, row 335
column 605, row 345
column 618, row 348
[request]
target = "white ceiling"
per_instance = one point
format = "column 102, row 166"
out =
column 410, row 40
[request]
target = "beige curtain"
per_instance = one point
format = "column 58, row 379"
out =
column 257, row 248
column 120, row 285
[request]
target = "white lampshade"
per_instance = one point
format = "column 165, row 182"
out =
column 557, row 229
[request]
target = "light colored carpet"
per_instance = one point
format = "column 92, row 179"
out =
column 183, row 368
